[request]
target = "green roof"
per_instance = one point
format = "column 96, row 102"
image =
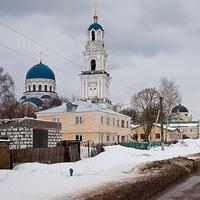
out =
column 179, row 108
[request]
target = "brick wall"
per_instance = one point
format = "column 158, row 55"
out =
column 20, row 132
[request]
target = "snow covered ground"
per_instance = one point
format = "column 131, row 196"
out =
column 34, row 181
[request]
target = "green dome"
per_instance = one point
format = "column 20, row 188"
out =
column 179, row 108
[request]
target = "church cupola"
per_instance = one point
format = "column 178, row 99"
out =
column 95, row 30
column 95, row 81
column 40, row 85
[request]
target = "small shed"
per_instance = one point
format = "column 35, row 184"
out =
column 30, row 133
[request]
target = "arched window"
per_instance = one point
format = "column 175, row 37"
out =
column 40, row 88
column 29, row 88
column 34, row 88
column 50, row 88
column 45, row 88
column 93, row 35
column 93, row 64
column 99, row 35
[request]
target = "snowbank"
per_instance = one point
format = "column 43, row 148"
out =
column 36, row 181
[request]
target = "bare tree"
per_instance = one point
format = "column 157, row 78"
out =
column 131, row 113
column 170, row 92
column 8, row 106
column 25, row 110
column 117, row 107
column 146, row 105
column 8, row 101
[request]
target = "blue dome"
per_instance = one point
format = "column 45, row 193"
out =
column 23, row 98
column 34, row 100
column 40, row 71
column 95, row 26
column 45, row 97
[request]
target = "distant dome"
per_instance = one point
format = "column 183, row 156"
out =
column 40, row 71
column 45, row 97
column 23, row 98
column 34, row 100
column 95, row 26
column 180, row 108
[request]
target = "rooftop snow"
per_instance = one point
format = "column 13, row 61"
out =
column 182, row 124
column 81, row 107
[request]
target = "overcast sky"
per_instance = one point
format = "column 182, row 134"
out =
column 145, row 40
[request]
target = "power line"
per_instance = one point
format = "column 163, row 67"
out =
column 47, row 48
column 37, row 43
column 16, row 51
column 21, row 53
column 32, row 58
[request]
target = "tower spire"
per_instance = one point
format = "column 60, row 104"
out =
column 95, row 17
column 40, row 57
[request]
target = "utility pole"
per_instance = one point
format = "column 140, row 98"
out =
column 161, row 123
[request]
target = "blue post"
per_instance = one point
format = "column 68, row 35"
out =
column 71, row 171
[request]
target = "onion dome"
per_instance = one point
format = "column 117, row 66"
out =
column 179, row 108
column 35, row 101
column 45, row 97
column 23, row 98
column 95, row 25
column 40, row 71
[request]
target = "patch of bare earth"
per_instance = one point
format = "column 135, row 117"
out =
column 155, row 178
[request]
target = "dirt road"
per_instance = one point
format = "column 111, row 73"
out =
column 188, row 190
column 154, row 178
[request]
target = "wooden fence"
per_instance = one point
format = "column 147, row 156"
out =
column 4, row 156
column 10, row 158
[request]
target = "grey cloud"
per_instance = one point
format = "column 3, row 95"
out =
column 44, row 7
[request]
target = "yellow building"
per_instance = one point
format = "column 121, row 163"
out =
column 89, row 121
column 170, row 134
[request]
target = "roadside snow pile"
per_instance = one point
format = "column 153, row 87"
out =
column 36, row 181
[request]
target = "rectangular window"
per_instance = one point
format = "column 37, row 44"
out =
column 123, row 139
column 79, row 137
column 113, row 121
column 108, row 121
column 102, row 120
column 142, row 136
column 135, row 136
column 117, row 123
column 56, row 119
column 127, row 124
column 157, row 135
column 122, row 123
column 108, row 138
column 79, row 120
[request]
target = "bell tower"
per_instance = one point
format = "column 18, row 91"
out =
column 95, row 80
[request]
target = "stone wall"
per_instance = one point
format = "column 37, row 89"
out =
column 20, row 132
column 54, row 136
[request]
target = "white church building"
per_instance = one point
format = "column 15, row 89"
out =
column 40, row 86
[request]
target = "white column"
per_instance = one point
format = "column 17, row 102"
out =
column 99, row 89
column 82, row 89
column 86, row 89
column 102, row 89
